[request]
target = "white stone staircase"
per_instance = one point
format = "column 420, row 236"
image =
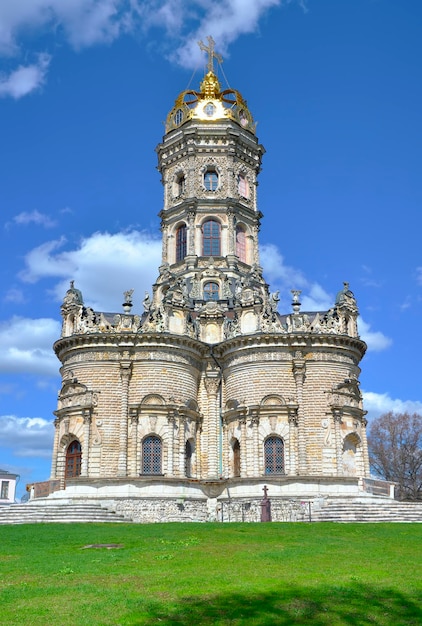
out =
column 369, row 512
column 35, row 513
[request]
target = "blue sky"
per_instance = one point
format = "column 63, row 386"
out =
column 85, row 86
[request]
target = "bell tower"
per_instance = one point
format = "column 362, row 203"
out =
column 209, row 161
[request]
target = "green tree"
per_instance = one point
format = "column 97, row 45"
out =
column 395, row 452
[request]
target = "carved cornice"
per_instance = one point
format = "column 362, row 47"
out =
column 307, row 342
column 117, row 341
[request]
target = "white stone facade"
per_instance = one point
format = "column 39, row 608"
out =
column 187, row 409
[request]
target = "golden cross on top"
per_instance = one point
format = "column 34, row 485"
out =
column 212, row 54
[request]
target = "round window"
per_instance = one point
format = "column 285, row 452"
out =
column 209, row 109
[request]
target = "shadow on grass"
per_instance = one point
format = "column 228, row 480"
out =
column 355, row 605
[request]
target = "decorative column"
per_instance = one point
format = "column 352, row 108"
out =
column 61, row 456
column 134, row 421
column 212, row 386
column 198, row 447
column 337, row 435
column 55, row 449
column 182, row 444
column 255, row 438
column 226, row 449
column 299, row 370
column 293, row 452
column 86, row 415
column 164, row 247
column 243, row 448
column 231, row 234
column 125, row 374
column 366, row 469
column 191, row 233
column 171, row 419
column 255, row 230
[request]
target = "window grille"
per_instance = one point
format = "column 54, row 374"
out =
column 274, row 455
column 151, row 455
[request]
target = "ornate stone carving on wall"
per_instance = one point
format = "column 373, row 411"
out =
column 75, row 395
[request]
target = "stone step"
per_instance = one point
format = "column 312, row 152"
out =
column 65, row 513
column 388, row 511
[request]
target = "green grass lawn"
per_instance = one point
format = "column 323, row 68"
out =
column 191, row 574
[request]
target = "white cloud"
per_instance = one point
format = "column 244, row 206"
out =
column 277, row 272
column 14, row 295
column 88, row 22
column 85, row 22
column 27, row 436
column 26, row 346
column 226, row 20
column 285, row 278
column 378, row 403
column 25, row 79
column 34, row 217
column 375, row 340
column 313, row 296
column 103, row 266
column 41, row 263
column 317, row 299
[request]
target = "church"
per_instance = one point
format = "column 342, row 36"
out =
column 210, row 397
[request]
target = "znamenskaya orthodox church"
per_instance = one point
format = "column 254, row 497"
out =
column 187, row 409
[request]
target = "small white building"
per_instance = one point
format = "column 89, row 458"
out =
column 7, row 487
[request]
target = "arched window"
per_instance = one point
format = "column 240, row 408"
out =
column 274, row 455
column 188, row 459
column 181, row 241
column 241, row 243
column 211, row 180
column 73, row 459
column 242, row 186
column 181, row 184
column 151, row 455
column 211, row 238
column 236, row 458
column 178, row 117
column 211, row 291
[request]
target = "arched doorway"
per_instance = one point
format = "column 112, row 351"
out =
column 350, row 454
column 73, row 459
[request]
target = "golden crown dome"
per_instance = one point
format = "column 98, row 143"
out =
column 211, row 103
